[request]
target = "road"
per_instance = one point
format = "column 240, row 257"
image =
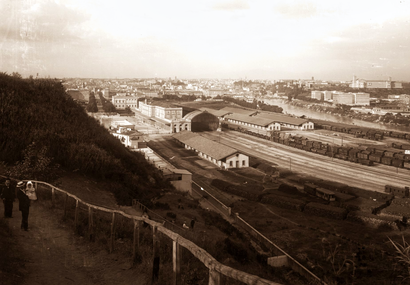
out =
column 372, row 178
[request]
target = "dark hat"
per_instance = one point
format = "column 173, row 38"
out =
column 20, row 184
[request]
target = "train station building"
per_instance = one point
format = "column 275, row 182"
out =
column 260, row 120
column 219, row 154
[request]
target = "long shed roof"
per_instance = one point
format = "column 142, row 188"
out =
column 281, row 118
column 251, row 120
column 216, row 113
column 184, row 135
column 205, row 145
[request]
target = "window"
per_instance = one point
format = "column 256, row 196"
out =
column 231, row 163
column 243, row 163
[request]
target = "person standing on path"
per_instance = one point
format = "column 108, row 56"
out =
column 24, row 204
column 8, row 195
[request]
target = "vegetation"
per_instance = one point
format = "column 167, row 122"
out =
column 107, row 105
column 92, row 104
column 170, row 97
column 402, row 257
column 42, row 128
column 345, row 111
column 255, row 105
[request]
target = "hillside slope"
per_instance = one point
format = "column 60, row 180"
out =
column 42, row 129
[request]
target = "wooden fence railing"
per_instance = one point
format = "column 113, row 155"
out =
column 215, row 268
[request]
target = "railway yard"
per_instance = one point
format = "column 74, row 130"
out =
column 309, row 228
column 372, row 178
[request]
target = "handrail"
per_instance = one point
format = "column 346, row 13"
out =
column 210, row 262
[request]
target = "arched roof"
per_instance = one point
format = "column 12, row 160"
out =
column 193, row 114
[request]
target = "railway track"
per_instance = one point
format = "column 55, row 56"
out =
column 372, row 178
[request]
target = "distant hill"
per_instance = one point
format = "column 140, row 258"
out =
column 42, row 127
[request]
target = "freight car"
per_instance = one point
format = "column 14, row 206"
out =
column 323, row 193
column 368, row 133
column 310, row 188
column 397, row 191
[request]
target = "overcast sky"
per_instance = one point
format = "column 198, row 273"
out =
column 256, row 39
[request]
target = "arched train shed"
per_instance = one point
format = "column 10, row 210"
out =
column 196, row 121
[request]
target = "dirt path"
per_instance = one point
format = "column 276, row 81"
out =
column 50, row 253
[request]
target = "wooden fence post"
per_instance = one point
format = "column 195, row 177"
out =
column 112, row 232
column 136, row 240
column 176, row 261
column 155, row 253
column 65, row 205
column 90, row 224
column 53, row 197
column 76, row 216
column 214, row 277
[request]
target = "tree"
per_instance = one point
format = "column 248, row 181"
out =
column 16, row 75
column 92, row 104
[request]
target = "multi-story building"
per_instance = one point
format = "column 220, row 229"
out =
column 361, row 98
column 147, row 109
column 122, row 102
column 375, row 84
column 167, row 114
column 318, row 95
column 328, row 95
column 343, row 98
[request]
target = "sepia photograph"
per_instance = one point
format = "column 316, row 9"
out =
column 210, row 142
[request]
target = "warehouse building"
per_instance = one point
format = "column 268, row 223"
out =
column 219, row 154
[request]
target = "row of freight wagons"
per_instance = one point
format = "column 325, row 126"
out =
column 368, row 133
column 367, row 156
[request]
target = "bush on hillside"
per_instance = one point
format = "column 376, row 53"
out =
column 35, row 164
column 214, row 219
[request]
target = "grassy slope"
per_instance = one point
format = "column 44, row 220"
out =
column 40, row 111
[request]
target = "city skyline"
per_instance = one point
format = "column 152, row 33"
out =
column 263, row 40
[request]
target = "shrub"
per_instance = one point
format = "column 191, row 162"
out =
column 214, row 219
column 171, row 215
column 236, row 250
column 162, row 206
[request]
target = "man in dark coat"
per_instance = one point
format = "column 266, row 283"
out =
column 24, row 204
column 8, row 196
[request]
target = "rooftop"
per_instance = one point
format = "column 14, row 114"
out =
column 209, row 147
column 260, row 121
column 277, row 117
column 216, row 113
